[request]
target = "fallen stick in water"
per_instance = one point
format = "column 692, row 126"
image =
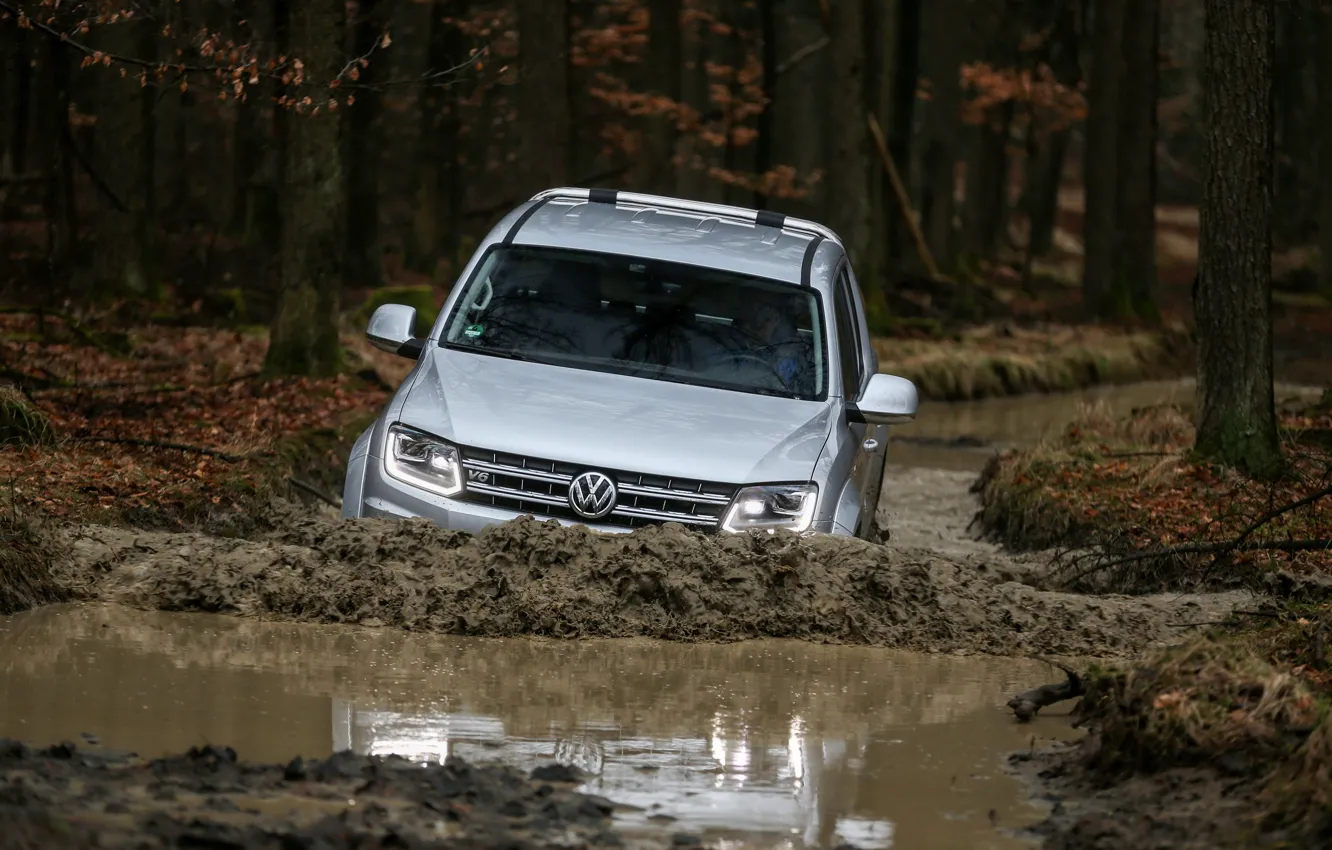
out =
column 1026, row 704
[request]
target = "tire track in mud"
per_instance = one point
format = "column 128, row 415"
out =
column 533, row 578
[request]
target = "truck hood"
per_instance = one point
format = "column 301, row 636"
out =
column 613, row 421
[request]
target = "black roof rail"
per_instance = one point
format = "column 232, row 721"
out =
column 763, row 218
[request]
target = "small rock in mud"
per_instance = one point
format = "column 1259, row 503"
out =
column 532, row 578
column 557, row 773
column 208, row 797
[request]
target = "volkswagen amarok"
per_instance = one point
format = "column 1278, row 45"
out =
column 618, row 359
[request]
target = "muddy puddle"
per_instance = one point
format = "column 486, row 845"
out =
column 764, row 743
column 961, row 435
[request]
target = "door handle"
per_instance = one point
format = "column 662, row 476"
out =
column 871, row 445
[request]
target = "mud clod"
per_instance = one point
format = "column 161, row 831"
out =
column 532, row 578
column 207, row 797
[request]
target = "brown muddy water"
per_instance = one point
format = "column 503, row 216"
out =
column 763, row 743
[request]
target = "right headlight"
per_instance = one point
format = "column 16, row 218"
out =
column 773, row 506
column 424, row 461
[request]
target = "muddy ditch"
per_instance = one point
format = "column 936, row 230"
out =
column 70, row 796
column 532, row 578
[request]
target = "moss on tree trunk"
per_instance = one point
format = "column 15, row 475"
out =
column 304, row 337
column 1233, row 301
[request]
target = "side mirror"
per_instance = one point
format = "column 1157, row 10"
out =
column 391, row 329
column 888, row 400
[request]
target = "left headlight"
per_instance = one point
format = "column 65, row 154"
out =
column 770, row 507
column 423, row 461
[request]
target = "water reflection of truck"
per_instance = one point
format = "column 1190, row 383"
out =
column 797, row 791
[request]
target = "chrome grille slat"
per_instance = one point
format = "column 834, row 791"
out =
column 680, row 495
column 540, row 486
column 663, row 516
column 517, row 471
column 513, row 493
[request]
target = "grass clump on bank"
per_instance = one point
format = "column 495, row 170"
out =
column 1147, row 515
column 992, row 361
column 25, row 566
column 1233, row 703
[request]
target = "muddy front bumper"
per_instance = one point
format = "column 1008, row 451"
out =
column 370, row 493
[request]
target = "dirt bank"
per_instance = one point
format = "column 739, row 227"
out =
column 532, row 578
column 25, row 567
column 64, row 796
column 1185, row 807
column 1218, row 742
column 995, row 360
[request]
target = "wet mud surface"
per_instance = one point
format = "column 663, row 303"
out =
column 533, row 578
column 1186, row 808
column 71, row 797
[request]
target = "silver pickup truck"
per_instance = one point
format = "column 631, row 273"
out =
column 617, row 359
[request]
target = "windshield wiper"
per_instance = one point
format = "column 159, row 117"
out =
column 509, row 353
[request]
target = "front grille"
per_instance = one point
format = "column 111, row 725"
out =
column 541, row 487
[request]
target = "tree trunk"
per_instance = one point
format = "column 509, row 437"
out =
column 1236, row 418
column 763, row 160
column 53, row 86
column 362, row 142
column 1295, row 201
column 846, row 196
column 1101, row 172
column 1045, row 173
column 942, row 52
column 664, row 60
column 304, row 337
column 544, row 118
column 255, row 210
column 900, row 127
column 16, row 108
column 1137, row 160
column 125, row 161
column 1324, row 68
column 1045, row 176
column 437, row 224
column 987, row 183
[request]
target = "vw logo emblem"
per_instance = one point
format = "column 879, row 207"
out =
column 592, row 495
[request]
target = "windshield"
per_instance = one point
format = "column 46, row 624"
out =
column 663, row 321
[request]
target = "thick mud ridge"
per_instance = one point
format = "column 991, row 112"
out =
column 533, row 578
column 63, row 796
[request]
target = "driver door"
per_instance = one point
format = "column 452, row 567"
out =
column 851, row 344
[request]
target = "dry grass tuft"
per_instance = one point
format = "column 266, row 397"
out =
column 21, row 423
column 26, row 555
column 1232, row 703
column 1197, row 703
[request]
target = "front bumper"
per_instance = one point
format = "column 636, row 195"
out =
column 380, row 496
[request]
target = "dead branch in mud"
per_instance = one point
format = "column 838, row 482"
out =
column 1221, row 549
column 1026, row 704
column 156, row 444
column 314, row 491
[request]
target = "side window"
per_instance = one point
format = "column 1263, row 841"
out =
column 848, row 338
